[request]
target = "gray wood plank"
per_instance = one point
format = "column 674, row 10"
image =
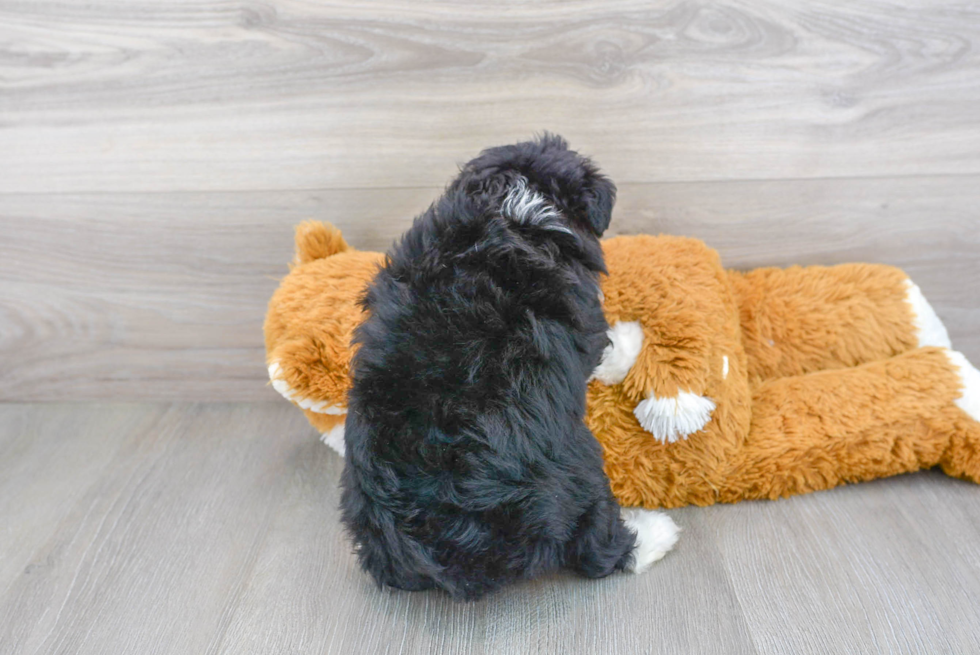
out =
column 891, row 566
column 144, row 557
column 191, row 95
column 44, row 464
column 184, row 528
column 161, row 296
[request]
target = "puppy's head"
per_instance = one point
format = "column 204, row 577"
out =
column 541, row 182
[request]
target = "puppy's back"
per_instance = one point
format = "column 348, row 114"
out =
column 468, row 462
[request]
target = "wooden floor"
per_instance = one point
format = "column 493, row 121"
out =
column 154, row 157
column 213, row 528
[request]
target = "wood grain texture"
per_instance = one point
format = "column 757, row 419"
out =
column 162, row 296
column 140, row 523
column 205, row 95
column 155, row 156
column 190, row 528
column 873, row 565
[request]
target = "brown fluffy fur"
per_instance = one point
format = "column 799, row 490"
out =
column 313, row 313
column 825, row 382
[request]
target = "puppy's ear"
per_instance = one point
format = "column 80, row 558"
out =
column 599, row 198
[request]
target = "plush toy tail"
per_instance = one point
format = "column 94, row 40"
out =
column 316, row 240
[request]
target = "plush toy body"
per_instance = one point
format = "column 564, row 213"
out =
column 718, row 385
column 772, row 382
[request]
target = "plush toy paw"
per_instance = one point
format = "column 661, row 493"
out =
column 969, row 400
column 625, row 342
column 279, row 383
column 672, row 419
column 928, row 328
column 656, row 533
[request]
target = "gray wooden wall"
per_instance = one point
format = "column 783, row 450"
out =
column 154, row 156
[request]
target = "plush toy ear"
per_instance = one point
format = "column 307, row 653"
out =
column 599, row 200
column 316, row 240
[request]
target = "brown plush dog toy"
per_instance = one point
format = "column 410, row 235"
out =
column 717, row 386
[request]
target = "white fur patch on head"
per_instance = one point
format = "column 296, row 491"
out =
column 317, row 406
column 672, row 419
column 625, row 342
column 335, row 438
column 928, row 327
column 969, row 400
column 656, row 533
column 724, row 367
column 525, row 205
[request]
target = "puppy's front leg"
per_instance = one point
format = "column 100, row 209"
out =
column 613, row 539
column 602, row 543
column 609, row 538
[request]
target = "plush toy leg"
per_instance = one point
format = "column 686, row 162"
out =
column 812, row 432
column 801, row 320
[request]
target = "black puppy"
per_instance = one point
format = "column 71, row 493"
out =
column 468, row 462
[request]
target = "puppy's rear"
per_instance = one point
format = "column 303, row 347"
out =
column 468, row 462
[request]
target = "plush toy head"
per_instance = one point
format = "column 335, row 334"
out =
column 311, row 319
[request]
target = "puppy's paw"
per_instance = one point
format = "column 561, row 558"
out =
column 335, row 438
column 928, row 328
column 672, row 419
column 969, row 400
column 656, row 534
column 625, row 342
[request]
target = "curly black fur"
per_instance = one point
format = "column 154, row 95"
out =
column 468, row 462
